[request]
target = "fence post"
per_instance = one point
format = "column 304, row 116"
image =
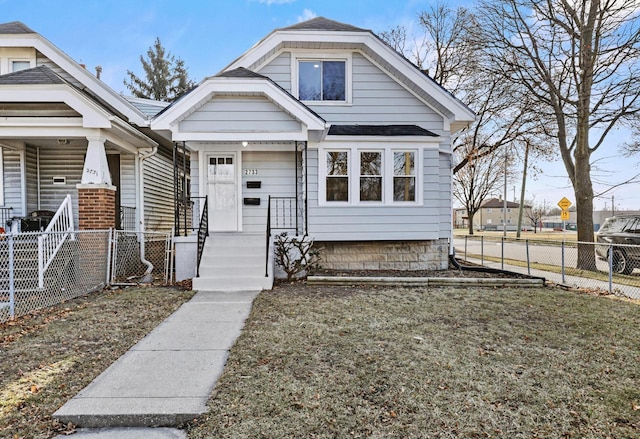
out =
column 526, row 243
column 482, row 250
column 502, row 253
column 465, row 247
column 114, row 263
column 610, row 269
column 109, row 243
column 562, row 261
column 12, row 285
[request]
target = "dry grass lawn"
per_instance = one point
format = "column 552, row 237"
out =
column 48, row 357
column 334, row 362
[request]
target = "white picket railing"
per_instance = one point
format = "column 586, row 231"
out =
column 57, row 232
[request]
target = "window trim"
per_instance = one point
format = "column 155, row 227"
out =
column 12, row 60
column 354, row 174
column 296, row 57
column 383, row 191
column 323, row 180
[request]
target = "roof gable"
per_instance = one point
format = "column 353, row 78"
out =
column 236, row 83
column 323, row 34
column 16, row 34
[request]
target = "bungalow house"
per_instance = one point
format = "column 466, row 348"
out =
column 322, row 130
column 65, row 132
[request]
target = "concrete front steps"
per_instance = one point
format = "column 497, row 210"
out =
column 234, row 262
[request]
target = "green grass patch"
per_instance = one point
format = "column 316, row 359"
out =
column 336, row 362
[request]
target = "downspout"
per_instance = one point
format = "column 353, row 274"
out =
column 146, row 278
column 452, row 250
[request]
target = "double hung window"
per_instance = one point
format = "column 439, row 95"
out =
column 404, row 176
column 369, row 176
column 337, row 182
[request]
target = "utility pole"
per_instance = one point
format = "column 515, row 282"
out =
column 613, row 206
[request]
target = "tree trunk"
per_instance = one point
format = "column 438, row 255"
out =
column 470, row 216
column 583, row 189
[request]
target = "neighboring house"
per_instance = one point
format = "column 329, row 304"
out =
column 491, row 216
column 353, row 139
column 63, row 131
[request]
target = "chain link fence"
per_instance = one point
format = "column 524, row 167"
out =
column 85, row 261
column 586, row 265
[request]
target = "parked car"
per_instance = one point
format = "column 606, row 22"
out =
column 623, row 230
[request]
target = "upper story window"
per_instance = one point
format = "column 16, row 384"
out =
column 18, row 65
column 322, row 80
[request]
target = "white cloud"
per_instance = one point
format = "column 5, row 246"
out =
column 275, row 2
column 307, row 14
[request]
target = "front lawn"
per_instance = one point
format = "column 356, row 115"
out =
column 47, row 357
column 333, row 362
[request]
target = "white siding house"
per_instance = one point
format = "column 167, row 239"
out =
column 332, row 130
column 53, row 111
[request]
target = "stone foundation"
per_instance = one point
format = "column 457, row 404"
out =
column 385, row 255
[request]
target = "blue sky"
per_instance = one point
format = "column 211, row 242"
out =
column 209, row 34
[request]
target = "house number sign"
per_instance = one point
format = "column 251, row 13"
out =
column 250, row 171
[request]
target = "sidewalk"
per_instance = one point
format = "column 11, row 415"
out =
column 165, row 379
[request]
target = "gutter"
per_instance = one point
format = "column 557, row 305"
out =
column 143, row 155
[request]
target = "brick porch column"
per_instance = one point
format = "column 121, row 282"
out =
column 96, row 206
column 96, row 194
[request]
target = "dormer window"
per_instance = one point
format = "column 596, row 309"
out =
column 324, row 79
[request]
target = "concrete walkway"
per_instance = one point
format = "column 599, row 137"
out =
column 165, row 379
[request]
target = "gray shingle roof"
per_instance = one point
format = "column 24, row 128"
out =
column 15, row 27
column 321, row 23
column 36, row 75
column 240, row 72
column 379, row 130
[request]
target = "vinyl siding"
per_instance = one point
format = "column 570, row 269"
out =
column 279, row 70
column 42, row 60
column 12, row 181
column 239, row 114
column 378, row 223
column 276, row 172
column 127, row 180
column 158, row 189
column 376, row 97
column 64, row 161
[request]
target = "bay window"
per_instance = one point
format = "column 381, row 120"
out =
column 359, row 176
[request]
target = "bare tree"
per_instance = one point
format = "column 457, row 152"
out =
column 579, row 62
column 536, row 212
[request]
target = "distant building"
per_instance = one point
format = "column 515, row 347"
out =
column 491, row 216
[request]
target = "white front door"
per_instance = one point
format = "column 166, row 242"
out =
column 223, row 193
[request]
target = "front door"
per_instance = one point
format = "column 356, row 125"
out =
column 223, row 193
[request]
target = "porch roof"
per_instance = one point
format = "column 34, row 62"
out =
column 379, row 130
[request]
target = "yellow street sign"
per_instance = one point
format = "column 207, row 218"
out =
column 564, row 215
column 564, row 203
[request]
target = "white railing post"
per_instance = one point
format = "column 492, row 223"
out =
column 41, row 261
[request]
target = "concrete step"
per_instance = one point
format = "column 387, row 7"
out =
column 231, row 283
column 231, row 260
column 239, row 270
column 234, row 251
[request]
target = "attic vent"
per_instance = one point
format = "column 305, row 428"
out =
column 59, row 180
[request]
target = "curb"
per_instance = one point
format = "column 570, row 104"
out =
column 424, row 281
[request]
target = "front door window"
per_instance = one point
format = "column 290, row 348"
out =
column 222, row 190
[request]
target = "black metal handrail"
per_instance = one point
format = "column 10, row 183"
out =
column 203, row 232
column 282, row 214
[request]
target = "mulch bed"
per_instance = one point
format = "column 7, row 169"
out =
column 421, row 273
